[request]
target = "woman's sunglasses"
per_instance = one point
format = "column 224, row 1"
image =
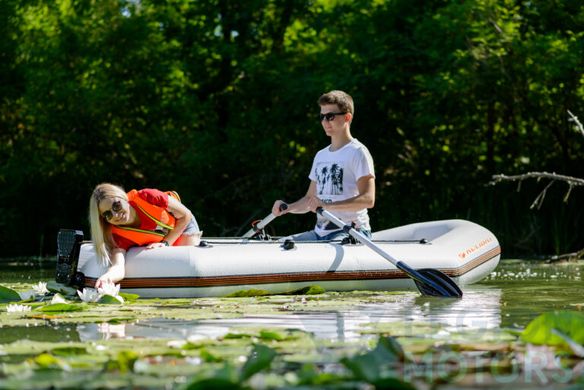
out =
column 116, row 208
column 330, row 116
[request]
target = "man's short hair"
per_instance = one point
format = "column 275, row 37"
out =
column 340, row 98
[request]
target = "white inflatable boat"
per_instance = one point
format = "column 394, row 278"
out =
column 463, row 250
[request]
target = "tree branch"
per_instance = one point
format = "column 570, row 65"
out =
column 571, row 181
column 553, row 177
column 567, row 256
column 574, row 118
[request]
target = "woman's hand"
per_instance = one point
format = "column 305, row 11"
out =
column 156, row 245
column 103, row 280
column 116, row 271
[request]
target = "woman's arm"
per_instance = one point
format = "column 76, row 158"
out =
column 117, row 269
column 182, row 215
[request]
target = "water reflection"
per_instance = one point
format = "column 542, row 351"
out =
column 478, row 309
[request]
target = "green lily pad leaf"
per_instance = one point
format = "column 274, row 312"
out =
column 260, row 358
column 236, row 336
column 213, row 384
column 249, row 293
column 271, row 335
column 577, row 349
column 129, row 297
column 8, row 295
column 55, row 287
column 56, row 307
column 46, row 360
column 124, row 361
column 309, row 374
column 310, row 290
column 393, row 383
column 208, row 356
column 120, row 320
column 111, row 300
column 69, row 351
column 223, row 378
column 540, row 330
column 370, row 366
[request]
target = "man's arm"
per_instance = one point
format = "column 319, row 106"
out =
column 365, row 199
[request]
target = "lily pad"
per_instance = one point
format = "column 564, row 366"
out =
column 260, row 358
column 8, row 295
column 58, row 307
column 249, row 293
column 372, row 365
column 541, row 330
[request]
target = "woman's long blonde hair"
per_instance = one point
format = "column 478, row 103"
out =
column 100, row 229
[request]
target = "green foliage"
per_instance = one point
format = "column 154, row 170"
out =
column 252, row 292
column 310, row 290
column 542, row 330
column 111, row 300
column 217, row 100
column 260, row 359
column 124, row 361
column 8, row 295
column 378, row 366
column 61, row 307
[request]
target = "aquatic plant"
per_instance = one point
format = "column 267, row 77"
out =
column 89, row 295
column 16, row 308
column 109, row 289
column 40, row 288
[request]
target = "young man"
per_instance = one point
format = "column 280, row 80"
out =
column 342, row 178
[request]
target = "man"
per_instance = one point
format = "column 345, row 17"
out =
column 342, row 177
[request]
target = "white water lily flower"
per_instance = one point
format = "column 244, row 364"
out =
column 109, row 289
column 58, row 298
column 16, row 308
column 40, row 288
column 89, row 295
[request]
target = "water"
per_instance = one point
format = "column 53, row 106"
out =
column 514, row 294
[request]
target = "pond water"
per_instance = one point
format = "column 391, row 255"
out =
column 514, row 294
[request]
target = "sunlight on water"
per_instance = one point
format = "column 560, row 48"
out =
column 515, row 293
column 478, row 309
column 504, row 299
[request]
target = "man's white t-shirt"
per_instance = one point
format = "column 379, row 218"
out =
column 336, row 175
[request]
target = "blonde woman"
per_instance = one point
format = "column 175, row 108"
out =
column 146, row 217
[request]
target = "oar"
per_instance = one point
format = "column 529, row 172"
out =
column 428, row 280
column 263, row 223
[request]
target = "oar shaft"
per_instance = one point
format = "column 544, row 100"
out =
column 430, row 282
column 259, row 226
column 263, row 223
column 358, row 235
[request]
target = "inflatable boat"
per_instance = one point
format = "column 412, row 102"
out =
column 463, row 250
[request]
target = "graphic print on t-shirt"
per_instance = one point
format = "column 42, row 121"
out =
column 329, row 179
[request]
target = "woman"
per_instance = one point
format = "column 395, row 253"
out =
column 147, row 217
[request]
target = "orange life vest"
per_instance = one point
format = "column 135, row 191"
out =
column 157, row 214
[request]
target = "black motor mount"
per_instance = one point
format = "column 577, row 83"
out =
column 68, row 246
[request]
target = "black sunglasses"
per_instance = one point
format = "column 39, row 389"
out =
column 330, row 116
column 116, row 208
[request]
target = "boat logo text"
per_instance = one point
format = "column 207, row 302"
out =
column 475, row 247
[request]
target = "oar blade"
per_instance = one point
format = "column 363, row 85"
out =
column 437, row 284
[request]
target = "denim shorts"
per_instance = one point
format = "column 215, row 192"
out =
column 192, row 227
